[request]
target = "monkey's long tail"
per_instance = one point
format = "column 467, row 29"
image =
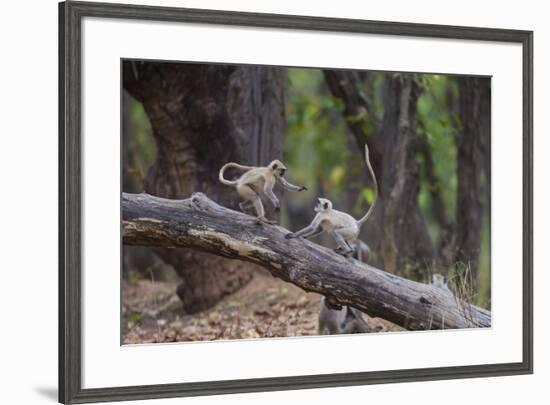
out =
column 223, row 180
column 371, row 208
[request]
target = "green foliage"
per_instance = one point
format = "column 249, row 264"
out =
column 437, row 124
column 141, row 149
column 315, row 147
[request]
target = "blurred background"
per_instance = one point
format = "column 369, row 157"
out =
column 429, row 139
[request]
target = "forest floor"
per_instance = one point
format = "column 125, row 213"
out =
column 265, row 307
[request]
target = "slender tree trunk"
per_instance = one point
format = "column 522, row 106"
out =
column 469, row 166
column 444, row 255
column 203, row 116
column 406, row 243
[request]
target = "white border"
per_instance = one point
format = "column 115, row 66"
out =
column 106, row 363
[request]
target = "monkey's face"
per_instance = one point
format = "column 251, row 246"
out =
column 278, row 168
column 439, row 279
column 323, row 205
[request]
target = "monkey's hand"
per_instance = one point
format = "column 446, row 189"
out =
column 290, row 235
column 277, row 207
column 303, row 188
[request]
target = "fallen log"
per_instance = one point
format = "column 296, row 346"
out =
column 199, row 223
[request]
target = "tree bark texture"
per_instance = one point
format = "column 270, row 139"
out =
column 199, row 223
column 406, row 243
column 203, row 116
column 469, row 168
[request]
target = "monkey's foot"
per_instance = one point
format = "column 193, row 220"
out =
column 264, row 220
column 343, row 252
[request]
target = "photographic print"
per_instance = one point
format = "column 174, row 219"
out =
column 220, row 206
column 265, row 201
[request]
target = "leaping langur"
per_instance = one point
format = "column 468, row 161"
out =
column 258, row 181
column 343, row 227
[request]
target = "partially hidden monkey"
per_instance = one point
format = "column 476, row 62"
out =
column 258, row 181
column 440, row 281
column 340, row 322
column 340, row 225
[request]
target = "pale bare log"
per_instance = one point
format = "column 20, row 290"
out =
column 199, row 223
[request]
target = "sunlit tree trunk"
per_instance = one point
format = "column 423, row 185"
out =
column 203, row 116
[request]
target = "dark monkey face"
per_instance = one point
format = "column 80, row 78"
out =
column 323, row 205
column 278, row 168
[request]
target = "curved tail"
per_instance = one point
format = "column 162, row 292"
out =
column 223, row 180
column 371, row 209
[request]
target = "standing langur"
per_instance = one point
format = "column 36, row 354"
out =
column 258, row 181
column 341, row 226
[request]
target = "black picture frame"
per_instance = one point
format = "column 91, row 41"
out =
column 70, row 196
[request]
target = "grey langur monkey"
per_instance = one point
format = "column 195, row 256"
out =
column 258, row 181
column 342, row 226
column 342, row 319
column 440, row 281
column 340, row 322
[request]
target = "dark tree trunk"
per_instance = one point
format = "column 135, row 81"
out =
column 203, row 116
column 469, row 166
column 485, row 131
column 139, row 259
column 444, row 256
column 406, row 244
column 397, row 121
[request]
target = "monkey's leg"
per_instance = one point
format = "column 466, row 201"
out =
column 252, row 197
column 272, row 197
column 358, row 252
column 307, row 232
column 259, row 207
column 343, row 246
column 355, row 323
column 317, row 232
column 245, row 206
column 356, row 326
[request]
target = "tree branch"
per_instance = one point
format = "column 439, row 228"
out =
column 199, row 223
